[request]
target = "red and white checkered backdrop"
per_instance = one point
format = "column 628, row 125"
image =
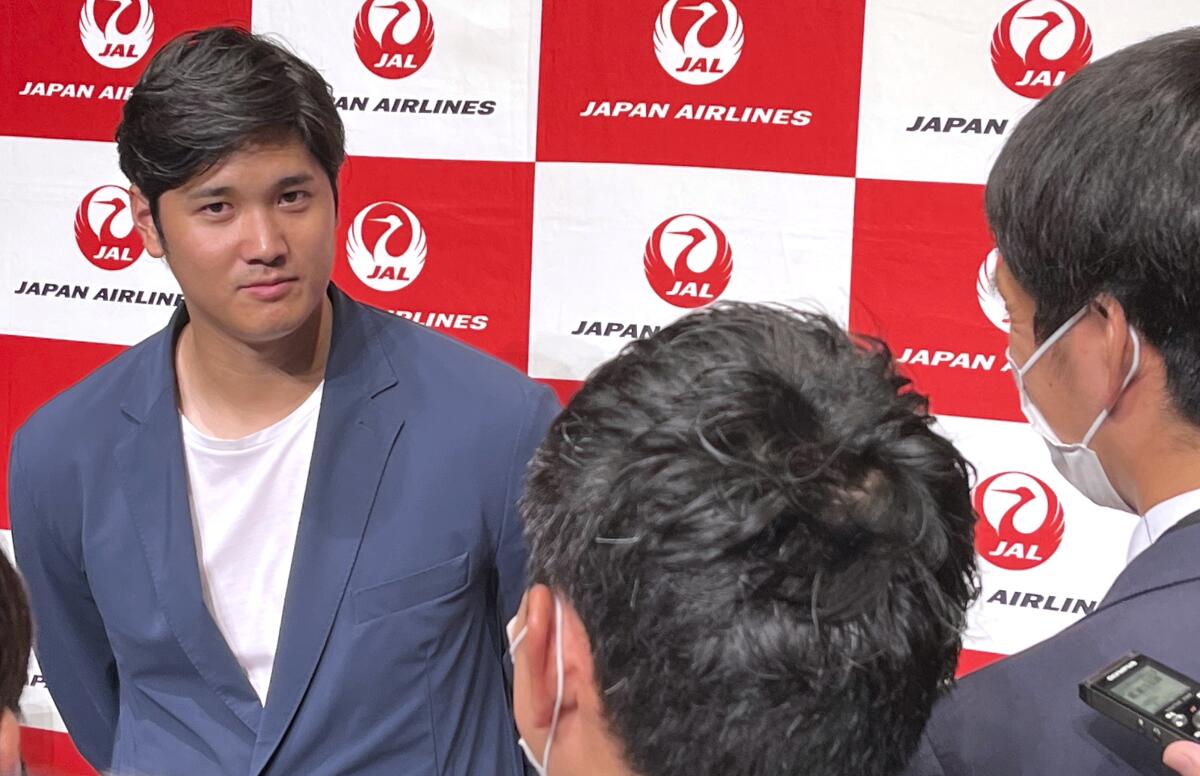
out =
column 571, row 174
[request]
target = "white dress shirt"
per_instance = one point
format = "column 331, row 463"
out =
column 1161, row 518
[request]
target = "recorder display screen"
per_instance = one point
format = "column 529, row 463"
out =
column 1149, row 689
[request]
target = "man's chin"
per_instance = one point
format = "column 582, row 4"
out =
column 274, row 332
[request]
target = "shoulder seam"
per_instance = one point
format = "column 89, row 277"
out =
column 18, row 468
column 529, row 409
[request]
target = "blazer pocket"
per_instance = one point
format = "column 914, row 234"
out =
column 412, row 589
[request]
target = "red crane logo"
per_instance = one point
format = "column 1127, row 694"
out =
column 1033, row 74
column 701, row 261
column 104, row 228
column 1017, row 494
column 393, row 38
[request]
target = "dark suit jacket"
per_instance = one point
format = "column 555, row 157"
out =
column 1023, row 716
column 409, row 559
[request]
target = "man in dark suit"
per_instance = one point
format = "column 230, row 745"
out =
column 1095, row 206
column 279, row 536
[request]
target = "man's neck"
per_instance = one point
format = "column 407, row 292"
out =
column 601, row 766
column 1166, row 477
column 1165, row 464
column 229, row 389
column 592, row 751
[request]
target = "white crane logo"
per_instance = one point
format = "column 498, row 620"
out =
column 110, row 46
column 690, row 60
column 377, row 266
column 989, row 297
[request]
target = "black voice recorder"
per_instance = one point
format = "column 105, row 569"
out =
column 1147, row 697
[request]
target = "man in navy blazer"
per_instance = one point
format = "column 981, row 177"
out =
column 1095, row 205
column 280, row 535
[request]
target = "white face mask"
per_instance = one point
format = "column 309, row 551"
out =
column 541, row 767
column 1078, row 463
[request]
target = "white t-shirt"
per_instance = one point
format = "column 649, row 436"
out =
column 246, row 495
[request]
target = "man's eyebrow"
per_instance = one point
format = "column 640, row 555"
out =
column 210, row 191
column 221, row 191
column 294, row 180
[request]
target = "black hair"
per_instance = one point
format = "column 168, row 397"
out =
column 207, row 94
column 770, row 547
column 1098, row 191
column 16, row 635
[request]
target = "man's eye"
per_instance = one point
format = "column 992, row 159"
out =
column 292, row 197
column 215, row 208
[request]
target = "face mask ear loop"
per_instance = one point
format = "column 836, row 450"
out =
column 1053, row 338
column 1133, row 367
column 512, row 647
column 558, row 695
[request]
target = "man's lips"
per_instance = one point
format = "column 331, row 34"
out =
column 268, row 282
column 270, row 290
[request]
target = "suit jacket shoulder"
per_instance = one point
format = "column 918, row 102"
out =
column 71, row 430
column 462, row 373
column 1023, row 714
column 85, row 407
column 75, row 431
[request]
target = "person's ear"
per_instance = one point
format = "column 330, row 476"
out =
column 1118, row 343
column 577, row 670
column 10, row 744
column 540, row 656
column 143, row 221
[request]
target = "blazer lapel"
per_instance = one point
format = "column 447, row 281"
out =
column 153, row 474
column 356, row 430
column 1169, row 561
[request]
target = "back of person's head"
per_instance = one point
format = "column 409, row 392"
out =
column 16, row 634
column 208, row 94
column 1097, row 191
column 762, row 545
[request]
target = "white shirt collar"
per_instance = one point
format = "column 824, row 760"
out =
column 1161, row 518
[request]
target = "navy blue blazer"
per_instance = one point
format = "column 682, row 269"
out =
column 1022, row 716
column 409, row 559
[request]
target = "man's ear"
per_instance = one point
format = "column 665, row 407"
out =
column 539, row 650
column 577, row 669
column 143, row 221
column 1118, row 343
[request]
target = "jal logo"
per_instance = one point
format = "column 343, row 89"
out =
column 1020, row 523
column 698, row 43
column 104, row 228
column 1038, row 44
column 688, row 261
column 120, row 34
column 386, row 246
column 990, row 300
column 393, row 38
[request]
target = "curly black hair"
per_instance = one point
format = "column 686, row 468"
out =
column 769, row 545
